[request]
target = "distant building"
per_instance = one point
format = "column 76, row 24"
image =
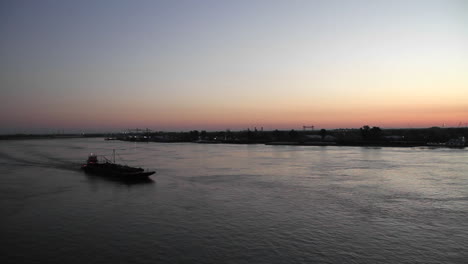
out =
column 394, row 138
column 456, row 142
column 313, row 137
column 327, row 138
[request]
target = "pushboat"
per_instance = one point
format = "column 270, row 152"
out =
column 111, row 169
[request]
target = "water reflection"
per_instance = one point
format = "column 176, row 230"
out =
column 118, row 181
column 226, row 203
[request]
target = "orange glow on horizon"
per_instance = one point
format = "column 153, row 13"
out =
column 238, row 119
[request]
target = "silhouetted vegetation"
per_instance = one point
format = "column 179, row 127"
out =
column 323, row 133
column 374, row 133
column 364, row 136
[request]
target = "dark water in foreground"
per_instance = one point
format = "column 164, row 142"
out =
column 234, row 204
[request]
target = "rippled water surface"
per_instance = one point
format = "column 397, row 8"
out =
column 233, row 204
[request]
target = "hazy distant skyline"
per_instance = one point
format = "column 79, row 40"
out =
column 215, row 65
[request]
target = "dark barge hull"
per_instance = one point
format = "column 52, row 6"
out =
column 124, row 174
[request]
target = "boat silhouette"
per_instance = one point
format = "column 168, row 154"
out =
column 111, row 169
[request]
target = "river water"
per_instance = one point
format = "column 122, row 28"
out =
column 233, row 204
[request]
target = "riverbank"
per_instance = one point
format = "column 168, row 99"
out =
column 363, row 137
column 48, row 136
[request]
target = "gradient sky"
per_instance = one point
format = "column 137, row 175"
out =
column 214, row 65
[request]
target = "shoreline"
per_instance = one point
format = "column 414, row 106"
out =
column 315, row 144
column 434, row 137
column 272, row 143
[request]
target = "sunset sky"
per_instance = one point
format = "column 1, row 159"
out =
column 216, row 65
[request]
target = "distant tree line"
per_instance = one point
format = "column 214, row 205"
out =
column 362, row 136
